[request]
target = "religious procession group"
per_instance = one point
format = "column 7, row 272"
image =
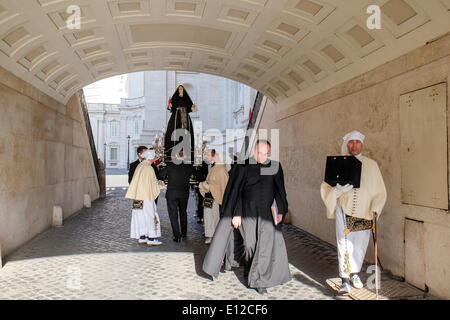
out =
column 244, row 206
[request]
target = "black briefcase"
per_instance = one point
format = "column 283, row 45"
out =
column 343, row 170
column 208, row 200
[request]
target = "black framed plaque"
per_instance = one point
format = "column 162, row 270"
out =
column 343, row 170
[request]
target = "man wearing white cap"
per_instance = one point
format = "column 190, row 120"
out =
column 354, row 210
column 144, row 189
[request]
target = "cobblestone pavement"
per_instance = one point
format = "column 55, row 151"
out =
column 115, row 171
column 116, row 181
column 92, row 257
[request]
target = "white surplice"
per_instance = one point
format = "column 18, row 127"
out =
column 145, row 222
column 357, row 242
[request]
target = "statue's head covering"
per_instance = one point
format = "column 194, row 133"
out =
column 176, row 97
column 354, row 135
column 149, row 154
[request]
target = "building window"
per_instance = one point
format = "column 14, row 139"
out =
column 113, row 155
column 114, row 129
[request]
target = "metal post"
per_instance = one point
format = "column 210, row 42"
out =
column 128, row 161
column 376, row 254
column 104, row 154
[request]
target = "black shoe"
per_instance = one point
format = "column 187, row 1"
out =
column 183, row 236
column 261, row 290
column 177, row 239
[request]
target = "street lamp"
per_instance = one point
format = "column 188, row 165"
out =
column 128, row 161
column 104, row 154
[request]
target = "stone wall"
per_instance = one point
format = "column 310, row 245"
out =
column 45, row 160
column 313, row 129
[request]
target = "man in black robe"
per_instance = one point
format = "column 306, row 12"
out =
column 202, row 172
column 178, row 174
column 250, row 193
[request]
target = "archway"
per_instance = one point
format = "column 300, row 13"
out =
column 324, row 71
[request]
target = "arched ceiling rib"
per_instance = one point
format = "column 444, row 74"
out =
column 288, row 49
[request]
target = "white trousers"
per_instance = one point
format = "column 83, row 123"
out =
column 357, row 242
column 145, row 222
column 211, row 217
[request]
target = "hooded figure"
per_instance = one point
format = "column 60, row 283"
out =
column 180, row 106
column 144, row 189
column 354, row 210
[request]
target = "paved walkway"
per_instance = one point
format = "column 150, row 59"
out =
column 115, row 172
column 92, row 257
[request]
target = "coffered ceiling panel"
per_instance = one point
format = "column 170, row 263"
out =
column 187, row 8
column 314, row 11
column 402, row 16
column 287, row 49
column 129, row 9
column 240, row 16
column 289, row 30
column 362, row 40
column 295, row 79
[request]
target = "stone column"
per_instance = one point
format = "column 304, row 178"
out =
column 101, row 138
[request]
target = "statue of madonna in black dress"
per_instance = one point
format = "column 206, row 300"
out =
column 180, row 105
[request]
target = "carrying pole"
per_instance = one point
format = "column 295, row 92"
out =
column 376, row 254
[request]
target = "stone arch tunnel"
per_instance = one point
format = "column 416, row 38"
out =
column 323, row 73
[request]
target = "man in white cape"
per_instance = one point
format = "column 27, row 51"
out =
column 354, row 207
column 144, row 189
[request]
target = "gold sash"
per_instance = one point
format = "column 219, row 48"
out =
column 357, row 224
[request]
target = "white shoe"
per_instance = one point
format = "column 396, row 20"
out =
column 154, row 243
column 142, row 241
column 356, row 282
column 345, row 287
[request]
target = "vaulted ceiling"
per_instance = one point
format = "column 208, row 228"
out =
column 288, row 49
